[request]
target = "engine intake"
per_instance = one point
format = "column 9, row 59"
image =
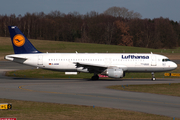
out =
column 115, row 73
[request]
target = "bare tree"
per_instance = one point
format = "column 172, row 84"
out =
column 122, row 12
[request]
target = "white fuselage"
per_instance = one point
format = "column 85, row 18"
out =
column 66, row 62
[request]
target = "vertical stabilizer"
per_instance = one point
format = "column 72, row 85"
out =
column 20, row 43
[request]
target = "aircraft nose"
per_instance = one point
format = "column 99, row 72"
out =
column 174, row 65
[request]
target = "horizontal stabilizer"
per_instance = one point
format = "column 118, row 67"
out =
column 16, row 58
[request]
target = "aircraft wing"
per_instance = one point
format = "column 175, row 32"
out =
column 92, row 68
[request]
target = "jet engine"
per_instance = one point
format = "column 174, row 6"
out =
column 115, row 73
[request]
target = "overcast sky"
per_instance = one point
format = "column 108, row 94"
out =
column 147, row 8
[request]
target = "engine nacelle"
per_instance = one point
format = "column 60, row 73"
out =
column 115, row 73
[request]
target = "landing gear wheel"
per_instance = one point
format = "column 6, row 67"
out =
column 95, row 77
column 153, row 76
column 153, row 79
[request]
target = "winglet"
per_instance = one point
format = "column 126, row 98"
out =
column 20, row 43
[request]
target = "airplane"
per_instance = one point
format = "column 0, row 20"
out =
column 113, row 65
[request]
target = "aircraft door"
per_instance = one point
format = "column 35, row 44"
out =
column 40, row 60
column 153, row 60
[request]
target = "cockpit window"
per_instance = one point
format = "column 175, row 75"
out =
column 165, row 60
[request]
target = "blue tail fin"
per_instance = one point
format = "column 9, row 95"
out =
column 20, row 43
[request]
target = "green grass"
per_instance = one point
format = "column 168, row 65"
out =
column 59, row 46
column 172, row 89
column 26, row 110
column 65, row 47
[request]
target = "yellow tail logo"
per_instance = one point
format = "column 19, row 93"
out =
column 18, row 40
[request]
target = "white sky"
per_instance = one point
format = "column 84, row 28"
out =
column 147, row 8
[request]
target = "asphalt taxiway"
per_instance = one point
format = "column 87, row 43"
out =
column 87, row 92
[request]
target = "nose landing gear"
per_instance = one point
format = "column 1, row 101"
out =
column 153, row 76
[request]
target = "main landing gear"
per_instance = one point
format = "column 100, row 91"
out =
column 95, row 77
column 153, row 76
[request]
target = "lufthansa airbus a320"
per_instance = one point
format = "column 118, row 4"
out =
column 114, row 65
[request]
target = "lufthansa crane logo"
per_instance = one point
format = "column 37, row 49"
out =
column 18, row 40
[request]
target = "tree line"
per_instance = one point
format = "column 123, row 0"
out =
column 105, row 28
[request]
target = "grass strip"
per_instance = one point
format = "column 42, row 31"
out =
column 26, row 110
column 172, row 89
